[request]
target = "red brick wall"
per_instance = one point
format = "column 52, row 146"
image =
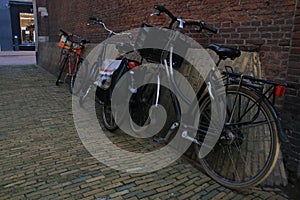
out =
column 265, row 26
column 253, row 25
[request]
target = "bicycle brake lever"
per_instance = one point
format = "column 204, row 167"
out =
column 90, row 23
column 155, row 14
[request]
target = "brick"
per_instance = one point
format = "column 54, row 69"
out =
column 95, row 179
column 125, row 187
column 81, row 179
column 112, row 186
column 120, row 193
column 164, row 188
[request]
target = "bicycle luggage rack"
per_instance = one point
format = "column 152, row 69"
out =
column 266, row 88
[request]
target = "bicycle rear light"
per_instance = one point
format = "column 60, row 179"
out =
column 280, row 91
column 133, row 65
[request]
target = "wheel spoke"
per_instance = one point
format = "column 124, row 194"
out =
column 248, row 147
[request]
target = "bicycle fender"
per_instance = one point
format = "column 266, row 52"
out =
column 281, row 134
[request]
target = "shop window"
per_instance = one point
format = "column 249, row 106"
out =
column 27, row 28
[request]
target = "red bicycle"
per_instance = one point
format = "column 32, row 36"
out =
column 70, row 59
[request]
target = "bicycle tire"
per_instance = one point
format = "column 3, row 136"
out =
column 139, row 108
column 252, row 154
column 75, row 87
column 62, row 66
column 108, row 118
column 71, row 86
column 87, row 83
column 80, row 77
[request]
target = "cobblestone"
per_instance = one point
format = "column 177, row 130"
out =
column 42, row 157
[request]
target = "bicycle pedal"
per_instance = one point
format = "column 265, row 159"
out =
column 160, row 140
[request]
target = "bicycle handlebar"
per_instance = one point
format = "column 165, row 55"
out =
column 161, row 9
column 69, row 34
column 202, row 25
column 182, row 23
column 111, row 32
column 99, row 21
column 83, row 41
column 65, row 33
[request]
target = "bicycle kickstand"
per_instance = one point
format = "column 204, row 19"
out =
column 165, row 139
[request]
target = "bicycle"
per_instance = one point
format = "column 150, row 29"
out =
column 104, row 74
column 71, row 57
column 248, row 147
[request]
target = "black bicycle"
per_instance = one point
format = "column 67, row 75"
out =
column 105, row 72
column 247, row 148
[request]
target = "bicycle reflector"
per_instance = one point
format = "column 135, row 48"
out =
column 280, row 91
column 133, row 65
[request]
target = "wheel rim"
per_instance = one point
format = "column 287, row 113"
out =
column 108, row 118
column 244, row 156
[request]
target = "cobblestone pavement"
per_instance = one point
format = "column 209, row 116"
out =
column 42, row 157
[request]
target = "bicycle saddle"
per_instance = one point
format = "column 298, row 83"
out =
column 225, row 52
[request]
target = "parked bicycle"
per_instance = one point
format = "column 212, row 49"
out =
column 70, row 59
column 248, row 147
column 105, row 73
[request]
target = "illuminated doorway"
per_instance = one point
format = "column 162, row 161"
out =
column 27, row 28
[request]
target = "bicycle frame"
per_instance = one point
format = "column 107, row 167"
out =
column 72, row 52
column 229, row 78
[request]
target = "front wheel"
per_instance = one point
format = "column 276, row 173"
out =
column 86, row 83
column 62, row 72
column 75, row 86
column 108, row 118
column 248, row 147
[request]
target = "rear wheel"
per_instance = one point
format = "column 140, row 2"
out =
column 248, row 147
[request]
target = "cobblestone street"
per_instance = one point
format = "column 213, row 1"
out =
column 42, row 157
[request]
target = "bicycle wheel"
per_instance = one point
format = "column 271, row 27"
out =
column 62, row 67
column 75, row 87
column 80, row 76
column 139, row 107
column 87, row 82
column 248, row 147
column 108, row 118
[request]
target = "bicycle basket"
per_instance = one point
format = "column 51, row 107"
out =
column 149, row 38
column 65, row 42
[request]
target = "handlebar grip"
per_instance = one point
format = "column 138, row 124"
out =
column 161, row 8
column 93, row 18
column 213, row 30
column 197, row 23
